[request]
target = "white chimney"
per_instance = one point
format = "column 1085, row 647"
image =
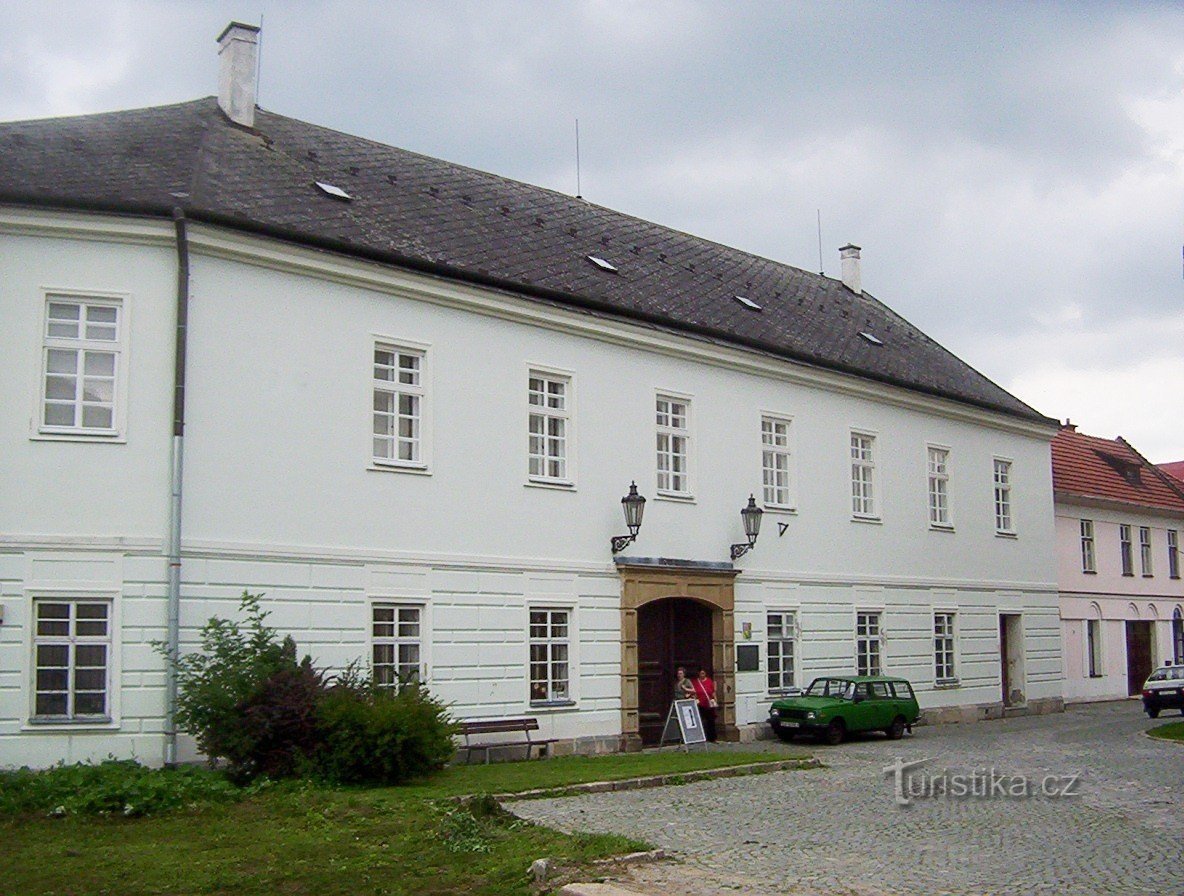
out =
column 851, row 278
column 236, row 80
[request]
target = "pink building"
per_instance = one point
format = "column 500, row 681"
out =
column 1118, row 520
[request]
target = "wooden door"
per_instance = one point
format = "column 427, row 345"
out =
column 1138, row 655
column 671, row 632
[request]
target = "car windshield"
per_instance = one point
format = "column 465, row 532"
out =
column 831, row 687
column 1167, row 673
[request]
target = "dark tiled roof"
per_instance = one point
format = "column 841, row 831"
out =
column 1090, row 467
column 424, row 213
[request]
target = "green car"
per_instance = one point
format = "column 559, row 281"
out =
column 833, row 706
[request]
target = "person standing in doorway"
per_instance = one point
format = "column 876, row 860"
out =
column 704, row 689
column 683, row 688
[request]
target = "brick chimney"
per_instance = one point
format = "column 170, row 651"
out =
column 849, row 254
column 239, row 54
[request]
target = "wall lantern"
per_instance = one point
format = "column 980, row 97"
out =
column 751, row 514
column 634, row 506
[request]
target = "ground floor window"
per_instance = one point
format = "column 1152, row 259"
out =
column 1093, row 646
column 782, row 653
column 868, row 644
column 943, row 647
column 550, row 648
column 396, row 644
column 71, row 659
column 1177, row 636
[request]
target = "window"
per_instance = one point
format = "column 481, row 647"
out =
column 1093, row 646
column 71, row 651
column 1089, row 561
column 863, row 470
column 82, row 354
column 1124, row 546
column 1173, row 554
column 782, row 652
column 775, row 462
column 1003, row 520
column 1145, row 550
column 868, row 643
column 396, row 644
column 398, row 406
column 939, row 487
column 549, row 651
column 943, row 647
column 1177, row 636
column 549, row 397
column 674, row 441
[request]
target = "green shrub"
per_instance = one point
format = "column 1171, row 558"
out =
column 113, row 787
column 371, row 735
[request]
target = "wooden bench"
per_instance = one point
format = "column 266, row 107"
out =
column 501, row 726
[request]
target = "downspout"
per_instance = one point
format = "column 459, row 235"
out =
column 173, row 637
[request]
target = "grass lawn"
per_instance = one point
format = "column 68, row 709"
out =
column 1170, row 731
column 298, row 839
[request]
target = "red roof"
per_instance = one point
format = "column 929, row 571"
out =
column 1111, row 470
column 1175, row 469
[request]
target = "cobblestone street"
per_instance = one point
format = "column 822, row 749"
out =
column 839, row 830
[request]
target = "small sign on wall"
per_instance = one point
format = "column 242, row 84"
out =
column 748, row 658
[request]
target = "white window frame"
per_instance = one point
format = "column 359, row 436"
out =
column 869, row 642
column 111, row 720
column 1093, row 648
column 670, row 432
column 1089, row 553
column 1173, row 554
column 789, row 637
column 1145, row 552
column 1001, row 491
column 864, row 481
column 118, row 347
column 566, row 414
column 421, row 391
column 777, row 462
column 1126, row 549
column 550, row 696
column 937, row 460
column 945, row 646
column 398, row 639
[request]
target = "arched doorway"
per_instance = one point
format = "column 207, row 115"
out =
column 672, row 632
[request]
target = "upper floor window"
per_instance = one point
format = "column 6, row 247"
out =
column 1089, row 561
column 673, row 417
column 939, row 487
column 1125, row 550
column 868, row 644
column 775, row 462
column 83, row 348
column 1003, row 519
column 71, row 660
column 782, row 649
column 549, row 397
column 1145, row 550
column 1173, row 553
column 863, row 475
column 399, row 396
column 395, row 644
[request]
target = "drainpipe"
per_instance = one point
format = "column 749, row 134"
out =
column 173, row 637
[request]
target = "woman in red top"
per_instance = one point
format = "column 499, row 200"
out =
column 705, row 694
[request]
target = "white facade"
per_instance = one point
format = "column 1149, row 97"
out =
column 282, row 493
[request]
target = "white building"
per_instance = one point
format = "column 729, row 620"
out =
column 1119, row 520
column 414, row 396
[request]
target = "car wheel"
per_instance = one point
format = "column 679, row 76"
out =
column 785, row 735
column 833, row 734
column 895, row 731
column 1153, row 712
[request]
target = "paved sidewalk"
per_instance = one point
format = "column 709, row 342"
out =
column 839, row 830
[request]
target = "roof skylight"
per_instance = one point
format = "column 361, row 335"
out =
column 747, row 302
column 602, row 264
column 872, row 339
column 335, row 192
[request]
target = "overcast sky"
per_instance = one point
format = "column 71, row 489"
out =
column 1013, row 171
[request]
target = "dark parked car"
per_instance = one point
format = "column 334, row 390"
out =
column 834, row 706
column 1164, row 690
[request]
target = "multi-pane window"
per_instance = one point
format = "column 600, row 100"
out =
column 943, row 647
column 1003, row 520
column 71, row 659
column 1089, row 562
column 674, row 442
column 1093, row 646
column 1173, row 553
column 782, row 653
column 863, row 472
column 1145, row 549
column 939, row 487
column 550, row 645
column 868, row 644
column 81, row 365
column 396, row 644
column 1125, row 550
column 775, row 462
column 398, row 406
column 549, row 397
